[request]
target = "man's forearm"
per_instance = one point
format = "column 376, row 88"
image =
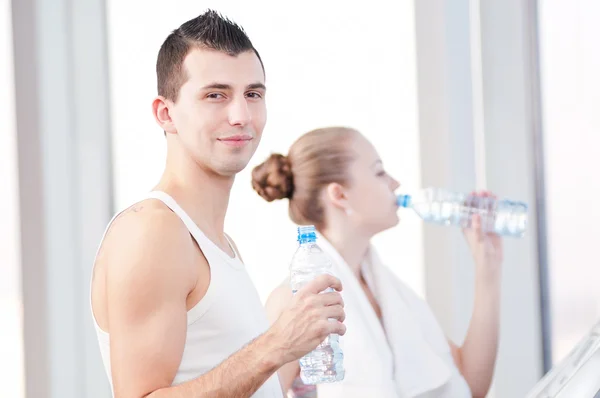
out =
column 240, row 375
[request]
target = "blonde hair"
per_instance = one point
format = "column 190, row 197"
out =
column 317, row 159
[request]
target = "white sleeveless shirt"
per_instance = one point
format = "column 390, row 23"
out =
column 228, row 317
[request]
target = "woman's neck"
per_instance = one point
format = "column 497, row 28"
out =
column 352, row 246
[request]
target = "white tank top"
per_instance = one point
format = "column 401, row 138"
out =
column 228, row 317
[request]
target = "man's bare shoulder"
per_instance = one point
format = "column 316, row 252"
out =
column 148, row 236
column 148, row 258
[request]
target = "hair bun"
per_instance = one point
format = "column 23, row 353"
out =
column 273, row 179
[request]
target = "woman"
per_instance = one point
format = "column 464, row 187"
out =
column 394, row 347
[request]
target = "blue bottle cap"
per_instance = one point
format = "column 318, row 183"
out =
column 403, row 200
column 307, row 233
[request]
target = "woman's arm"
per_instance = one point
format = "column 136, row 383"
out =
column 477, row 357
column 277, row 301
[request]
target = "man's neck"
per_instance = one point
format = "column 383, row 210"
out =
column 203, row 194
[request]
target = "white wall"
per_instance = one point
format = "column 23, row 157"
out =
column 11, row 343
column 330, row 62
column 65, row 189
column 570, row 62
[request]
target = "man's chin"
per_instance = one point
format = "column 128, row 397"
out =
column 235, row 163
column 230, row 170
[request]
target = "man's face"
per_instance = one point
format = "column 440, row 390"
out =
column 220, row 112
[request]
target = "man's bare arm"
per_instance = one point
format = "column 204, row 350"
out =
column 241, row 375
column 149, row 278
column 149, row 258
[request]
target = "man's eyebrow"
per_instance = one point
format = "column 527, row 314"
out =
column 217, row 86
column 256, row 86
column 224, row 86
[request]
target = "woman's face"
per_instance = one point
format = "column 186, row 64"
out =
column 370, row 195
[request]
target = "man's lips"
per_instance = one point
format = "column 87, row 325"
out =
column 236, row 140
column 238, row 137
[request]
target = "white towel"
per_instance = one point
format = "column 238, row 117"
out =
column 410, row 358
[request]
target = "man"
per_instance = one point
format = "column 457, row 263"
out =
column 175, row 311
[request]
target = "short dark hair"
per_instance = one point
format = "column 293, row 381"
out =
column 210, row 30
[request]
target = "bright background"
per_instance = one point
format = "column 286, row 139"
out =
column 451, row 93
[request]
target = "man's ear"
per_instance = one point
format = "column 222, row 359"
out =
column 161, row 110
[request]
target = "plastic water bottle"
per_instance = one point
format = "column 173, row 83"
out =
column 325, row 363
column 504, row 217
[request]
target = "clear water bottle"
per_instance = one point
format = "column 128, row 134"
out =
column 325, row 363
column 504, row 217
